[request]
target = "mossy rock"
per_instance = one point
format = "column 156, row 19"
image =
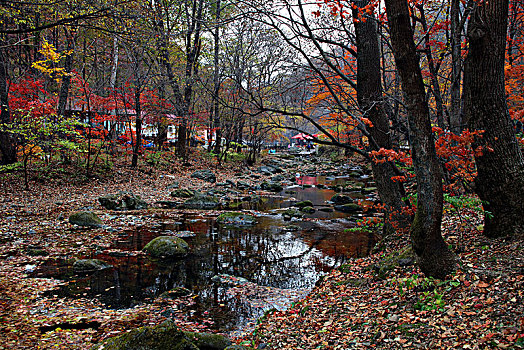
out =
column 205, row 174
column 308, row 210
column 166, row 247
column 239, row 347
column 89, row 265
column 337, row 188
column 85, row 218
column 134, row 202
column 292, row 228
column 208, row 341
column 272, row 186
column 369, row 189
column 341, row 199
column 183, row 193
column 348, row 208
column 293, row 212
column 37, row 252
column 304, row 204
column 236, row 218
column 202, row 201
column 122, row 201
column 166, row 336
column 326, row 209
column 110, row 202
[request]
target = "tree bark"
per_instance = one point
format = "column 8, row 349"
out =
column 455, row 118
column 371, row 103
column 216, row 83
column 7, row 141
column 433, row 255
column 500, row 170
column 66, row 78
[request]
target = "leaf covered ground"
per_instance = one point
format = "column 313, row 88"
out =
column 367, row 303
column 359, row 306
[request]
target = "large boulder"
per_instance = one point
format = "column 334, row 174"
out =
column 308, row 210
column 303, row 204
column 202, row 201
column 166, row 247
column 236, row 219
column 340, row 199
column 89, row 265
column 122, row 201
column 85, row 218
column 206, row 175
column 348, row 208
column 291, row 213
column 208, row 341
column 166, row 336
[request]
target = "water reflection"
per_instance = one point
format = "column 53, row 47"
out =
column 280, row 265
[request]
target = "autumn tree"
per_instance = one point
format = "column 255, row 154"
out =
column 500, row 167
column 433, row 255
column 344, row 89
column 372, row 102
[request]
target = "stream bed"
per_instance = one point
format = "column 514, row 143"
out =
column 234, row 273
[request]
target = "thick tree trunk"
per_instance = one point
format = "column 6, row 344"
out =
column 7, row 141
column 371, row 103
column 500, row 170
column 433, row 255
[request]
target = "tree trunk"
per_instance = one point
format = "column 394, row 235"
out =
column 112, row 85
column 433, row 255
column 501, row 167
column 455, row 119
column 7, row 141
column 433, row 69
column 193, row 43
column 66, row 78
column 371, row 101
column 138, row 128
column 216, row 83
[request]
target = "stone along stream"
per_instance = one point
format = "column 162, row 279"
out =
column 236, row 272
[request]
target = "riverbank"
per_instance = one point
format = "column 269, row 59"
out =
column 384, row 302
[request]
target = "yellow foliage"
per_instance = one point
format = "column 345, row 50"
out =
column 51, row 57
